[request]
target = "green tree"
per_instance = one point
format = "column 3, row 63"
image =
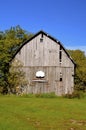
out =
column 80, row 77
column 10, row 40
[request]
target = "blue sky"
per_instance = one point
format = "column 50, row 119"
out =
column 63, row 19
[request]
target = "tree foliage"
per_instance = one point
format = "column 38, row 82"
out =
column 16, row 77
column 80, row 76
column 10, row 40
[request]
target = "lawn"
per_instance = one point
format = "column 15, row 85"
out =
column 21, row 113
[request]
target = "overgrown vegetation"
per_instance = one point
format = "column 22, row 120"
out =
column 16, row 78
column 75, row 94
column 80, row 72
column 40, row 95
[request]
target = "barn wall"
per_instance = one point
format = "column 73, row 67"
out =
column 36, row 53
column 66, row 60
column 51, row 82
column 44, row 56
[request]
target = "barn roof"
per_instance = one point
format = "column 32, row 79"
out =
column 49, row 36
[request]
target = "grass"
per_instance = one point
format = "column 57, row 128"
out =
column 31, row 113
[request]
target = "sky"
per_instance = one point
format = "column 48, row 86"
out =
column 65, row 20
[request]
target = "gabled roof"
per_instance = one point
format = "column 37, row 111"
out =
column 49, row 36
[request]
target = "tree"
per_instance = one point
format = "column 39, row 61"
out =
column 10, row 40
column 80, row 60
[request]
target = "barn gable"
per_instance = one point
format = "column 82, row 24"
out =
column 41, row 33
column 43, row 54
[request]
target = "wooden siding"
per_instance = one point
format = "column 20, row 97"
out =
column 51, row 82
column 36, row 53
column 44, row 55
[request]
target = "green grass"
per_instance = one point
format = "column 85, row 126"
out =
column 21, row 113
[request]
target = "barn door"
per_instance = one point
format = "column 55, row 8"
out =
column 40, row 86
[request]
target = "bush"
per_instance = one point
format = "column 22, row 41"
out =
column 27, row 95
column 75, row 94
column 40, row 95
column 46, row 95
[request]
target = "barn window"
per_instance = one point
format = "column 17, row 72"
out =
column 60, row 54
column 41, row 39
column 60, row 79
column 40, row 74
column 60, row 76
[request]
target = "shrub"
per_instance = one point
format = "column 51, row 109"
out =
column 39, row 95
column 75, row 94
column 27, row 95
column 46, row 95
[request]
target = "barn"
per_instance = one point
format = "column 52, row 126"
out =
column 46, row 64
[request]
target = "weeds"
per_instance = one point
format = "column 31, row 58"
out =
column 75, row 94
column 40, row 95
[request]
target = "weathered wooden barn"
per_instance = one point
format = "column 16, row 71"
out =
column 47, row 65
